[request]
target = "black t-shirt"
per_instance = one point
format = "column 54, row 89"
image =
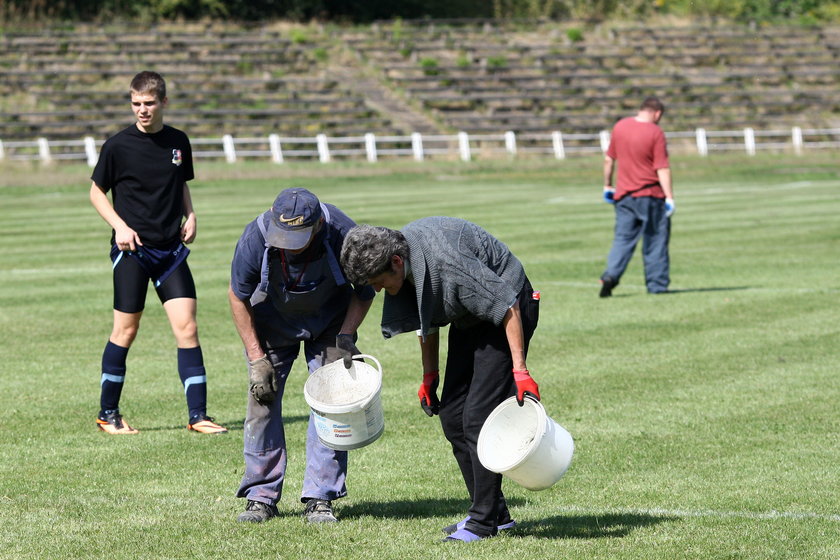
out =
column 146, row 174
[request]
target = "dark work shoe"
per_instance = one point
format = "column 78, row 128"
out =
column 319, row 511
column 257, row 512
column 607, row 285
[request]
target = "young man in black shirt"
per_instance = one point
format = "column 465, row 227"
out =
column 146, row 168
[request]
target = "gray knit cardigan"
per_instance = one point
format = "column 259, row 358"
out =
column 460, row 274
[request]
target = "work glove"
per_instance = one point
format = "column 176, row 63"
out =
column 346, row 348
column 670, row 207
column 428, row 393
column 609, row 195
column 330, row 355
column 525, row 385
column 262, row 380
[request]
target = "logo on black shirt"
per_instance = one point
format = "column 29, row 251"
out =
column 176, row 157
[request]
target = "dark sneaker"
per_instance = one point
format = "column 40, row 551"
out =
column 607, row 285
column 257, row 512
column 449, row 529
column 205, row 425
column 113, row 423
column 319, row 511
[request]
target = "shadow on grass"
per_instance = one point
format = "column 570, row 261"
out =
column 231, row 425
column 571, row 526
column 698, row 290
column 683, row 291
column 409, row 509
column 606, row 526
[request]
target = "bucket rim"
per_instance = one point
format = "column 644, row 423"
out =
column 350, row 407
column 542, row 422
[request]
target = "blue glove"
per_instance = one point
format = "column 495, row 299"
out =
column 609, row 196
column 670, row 207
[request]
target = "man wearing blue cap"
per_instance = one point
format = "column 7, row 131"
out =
column 286, row 288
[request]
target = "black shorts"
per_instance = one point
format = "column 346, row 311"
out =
column 131, row 282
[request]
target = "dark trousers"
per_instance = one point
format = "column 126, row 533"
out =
column 478, row 377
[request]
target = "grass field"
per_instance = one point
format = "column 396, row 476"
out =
column 706, row 420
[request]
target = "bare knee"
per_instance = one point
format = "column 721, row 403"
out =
column 124, row 335
column 181, row 313
column 125, row 328
column 186, row 333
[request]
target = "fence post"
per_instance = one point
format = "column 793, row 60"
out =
column 323, row 148
column 510, row 142
column 605, row 140
column 557, row 144
column 44, row 150
column 702, row 144
column 749, row 141
column 90, row 151
column 796, row 136
column 464, row 146
column 229, row 148
column 276, row 150
column 417, row 146
column 370, row 147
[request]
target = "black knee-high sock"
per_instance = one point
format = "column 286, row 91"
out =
column 113, row 377
column 194, row 378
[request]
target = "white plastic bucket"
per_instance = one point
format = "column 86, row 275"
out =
column 345, row 403
column 525, row 444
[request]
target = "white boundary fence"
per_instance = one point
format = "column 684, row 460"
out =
column 419, row 147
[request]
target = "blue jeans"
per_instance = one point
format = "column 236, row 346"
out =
column 265, row 440
column 645, row 218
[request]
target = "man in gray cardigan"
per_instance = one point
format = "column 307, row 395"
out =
column 441, row 271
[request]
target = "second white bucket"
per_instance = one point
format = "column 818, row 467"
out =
column 525, row 444
column 345, row 404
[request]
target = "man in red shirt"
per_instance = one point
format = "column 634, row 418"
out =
column 643, row 197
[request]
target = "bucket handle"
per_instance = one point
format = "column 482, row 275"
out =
column 378, row 365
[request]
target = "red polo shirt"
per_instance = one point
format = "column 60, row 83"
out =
column 640, row 149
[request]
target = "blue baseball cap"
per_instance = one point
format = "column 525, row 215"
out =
column 294, row 217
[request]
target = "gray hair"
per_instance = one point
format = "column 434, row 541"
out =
column 367, row 251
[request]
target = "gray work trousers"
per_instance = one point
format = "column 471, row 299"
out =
column 265, row 440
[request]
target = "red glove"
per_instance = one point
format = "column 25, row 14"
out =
column 428, row 393
column 525, row 385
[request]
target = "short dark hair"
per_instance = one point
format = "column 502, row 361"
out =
column 652, row 104
column 149, row 82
